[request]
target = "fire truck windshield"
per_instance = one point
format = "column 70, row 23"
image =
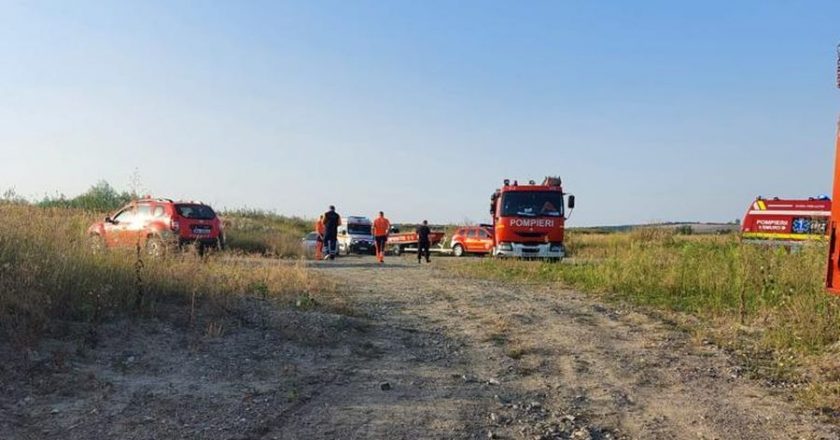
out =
column 532, row 204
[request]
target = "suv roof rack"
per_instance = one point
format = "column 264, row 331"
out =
column 154, row 199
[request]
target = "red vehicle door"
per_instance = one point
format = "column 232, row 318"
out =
column 118, row 230
column 458, row 237
column 472, row 242
column 485, row 240
column 141, row 223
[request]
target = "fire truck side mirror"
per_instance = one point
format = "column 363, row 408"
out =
column 571, row 201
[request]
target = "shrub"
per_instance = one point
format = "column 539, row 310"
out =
column 100, row 198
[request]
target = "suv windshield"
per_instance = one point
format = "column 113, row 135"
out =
column 194, row 211
column 358, row 229
column 532, row 204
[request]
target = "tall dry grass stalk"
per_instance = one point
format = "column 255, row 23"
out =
column 48, row 272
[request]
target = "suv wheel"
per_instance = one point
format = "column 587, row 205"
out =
column 155, row 247
column 96, row 243
column 458, row 250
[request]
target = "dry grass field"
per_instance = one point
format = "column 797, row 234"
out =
column 49, row 273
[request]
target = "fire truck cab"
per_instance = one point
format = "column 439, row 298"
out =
column 787, row 219
column 529, row 220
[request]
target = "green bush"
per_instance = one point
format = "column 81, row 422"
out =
column 101, row 197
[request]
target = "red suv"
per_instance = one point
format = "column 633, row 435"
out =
column 473, row 240
column 158, row 225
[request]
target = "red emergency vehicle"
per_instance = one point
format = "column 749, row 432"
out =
column 832, row 276
column 787, row 219
column 529, row 220
column 158, row 225
column 472, row 240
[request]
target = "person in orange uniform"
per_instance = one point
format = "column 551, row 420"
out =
column 381, row 228
column 319, row 245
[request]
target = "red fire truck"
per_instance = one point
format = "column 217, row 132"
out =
column 787, row 219
column 529, row 219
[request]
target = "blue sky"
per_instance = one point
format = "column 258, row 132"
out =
column 650, row 111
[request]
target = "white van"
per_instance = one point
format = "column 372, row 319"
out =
column 355, row 235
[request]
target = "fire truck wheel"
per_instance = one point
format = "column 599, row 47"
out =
column 458, row 250
column 397, row 250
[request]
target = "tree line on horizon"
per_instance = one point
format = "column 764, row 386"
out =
column 99, row 197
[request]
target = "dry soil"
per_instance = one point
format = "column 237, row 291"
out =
column 424, row 354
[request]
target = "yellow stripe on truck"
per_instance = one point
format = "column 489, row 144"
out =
column 761, row 205
column 770, row 235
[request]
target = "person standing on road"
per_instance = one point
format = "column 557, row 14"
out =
column 331, row 222
column 319, row 240
column 423, row 242
column 381, row 228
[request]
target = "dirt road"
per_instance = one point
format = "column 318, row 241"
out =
column 427, row 355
